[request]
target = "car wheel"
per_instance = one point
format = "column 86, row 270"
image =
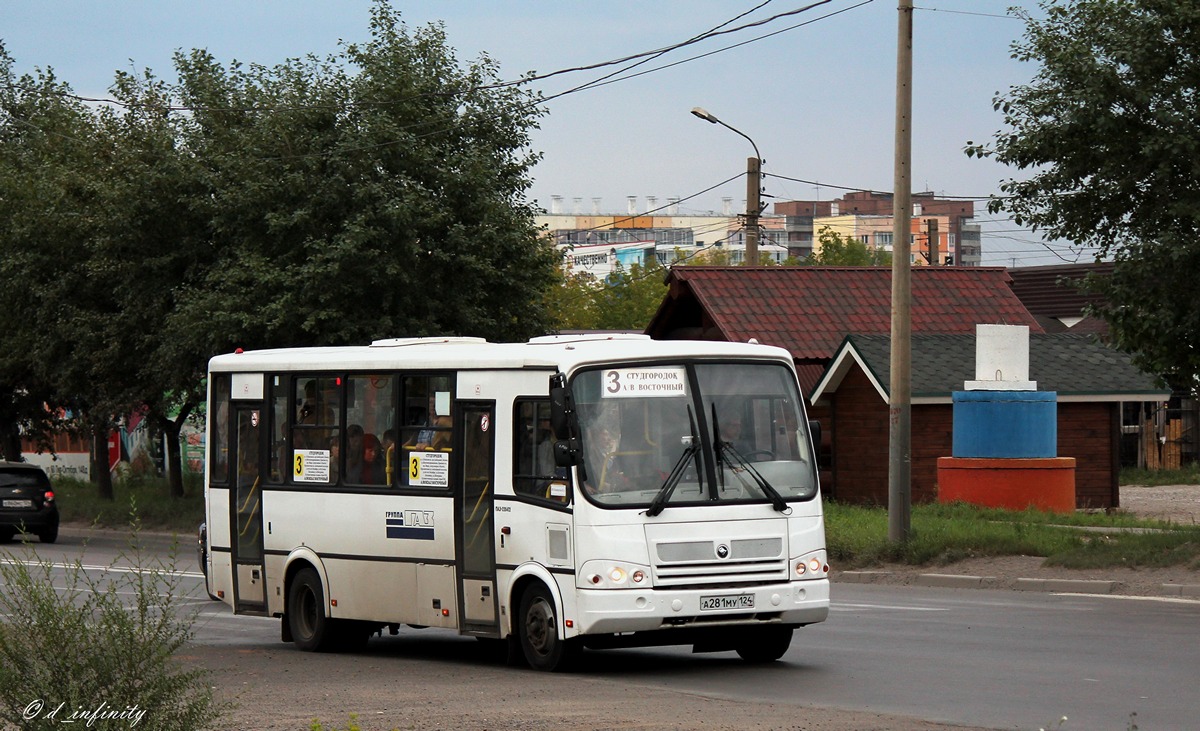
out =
column 49, row 534
column 538, row 630
column 311, row 630
column 6, row 535
column 765, row 644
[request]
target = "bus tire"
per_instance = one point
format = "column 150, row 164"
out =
column 765, row 644
column 311, row 630
column 537, row 630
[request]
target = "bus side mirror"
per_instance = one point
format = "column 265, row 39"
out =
column 566, row 453
column 814, row 428
column 562, row 407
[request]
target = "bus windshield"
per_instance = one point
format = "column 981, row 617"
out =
column 667, row 435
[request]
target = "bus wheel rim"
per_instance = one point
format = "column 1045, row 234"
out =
column 540, row 627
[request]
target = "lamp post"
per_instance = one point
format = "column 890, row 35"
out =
column 753, row 186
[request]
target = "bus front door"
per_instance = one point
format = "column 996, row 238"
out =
column 249, row 588
column 475, row 499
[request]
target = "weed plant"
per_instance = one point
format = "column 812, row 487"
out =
column 97, row 650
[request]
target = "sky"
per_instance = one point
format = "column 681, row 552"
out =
column 818, row 100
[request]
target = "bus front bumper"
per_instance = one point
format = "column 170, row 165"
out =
column 605, row 611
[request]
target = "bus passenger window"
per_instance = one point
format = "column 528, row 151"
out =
column 316, row 430
column 370, row 412
column 534, row 471
column 219, row 449
column 426, row 437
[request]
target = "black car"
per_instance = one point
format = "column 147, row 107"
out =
column 26, row 502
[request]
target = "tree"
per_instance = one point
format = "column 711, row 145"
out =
column 377, row 193
column 846, row 251
column 380, row 192
column 624, row 300
column 1109, row 133
column 52, row 170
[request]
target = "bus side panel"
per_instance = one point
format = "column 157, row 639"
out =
column 537, row 535
column 388, row 558
column 220, row 548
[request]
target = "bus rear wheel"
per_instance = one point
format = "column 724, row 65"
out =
column 311, row 630
column 538, row 631
column 765, row 644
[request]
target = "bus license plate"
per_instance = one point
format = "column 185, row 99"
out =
column 18, row 504
column 741, row 601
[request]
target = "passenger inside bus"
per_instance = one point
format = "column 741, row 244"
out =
column 435, row 433
column 334, row 450
column 603, row 466
column 372, row 461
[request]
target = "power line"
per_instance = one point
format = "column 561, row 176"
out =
column 601, row 82
column 966, row 12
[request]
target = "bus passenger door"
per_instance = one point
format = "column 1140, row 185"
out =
column 249, row 587
column 474, row 505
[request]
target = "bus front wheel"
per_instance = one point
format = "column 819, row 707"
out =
column 544, row 648
column 311, row 629
column 765, row 644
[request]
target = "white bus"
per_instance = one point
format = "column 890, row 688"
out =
column 568, row 492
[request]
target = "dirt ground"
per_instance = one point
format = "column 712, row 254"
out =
column 277, row 688
column 1176, row 503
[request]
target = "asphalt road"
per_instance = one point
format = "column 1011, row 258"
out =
column 976, row 658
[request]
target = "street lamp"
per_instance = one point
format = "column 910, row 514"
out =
column 753, row 185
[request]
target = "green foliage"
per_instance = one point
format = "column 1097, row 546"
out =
column 1107, row 132
column 836, row 250
column 625, row 300
column 98, row 651
column 858, row 536
column 378, row 192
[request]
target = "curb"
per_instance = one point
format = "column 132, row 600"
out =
column 1182, row 590
column 1067, row 586
column 1060, row 586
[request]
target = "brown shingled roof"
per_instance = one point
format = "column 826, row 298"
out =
column 809, row 310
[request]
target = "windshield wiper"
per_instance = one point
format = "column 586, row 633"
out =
column 689, row 453
column 722, row 447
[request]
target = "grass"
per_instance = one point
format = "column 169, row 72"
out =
column 856, row 537
column 1189, row 475
column 79, row 501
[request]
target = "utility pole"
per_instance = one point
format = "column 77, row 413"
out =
column 753, row 207
column 753, row 186
column 935, row 242
column 900, row 409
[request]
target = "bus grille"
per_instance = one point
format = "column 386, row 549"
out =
column 695, row 564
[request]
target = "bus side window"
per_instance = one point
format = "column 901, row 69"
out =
column 370, row 412
column 534, row 472
column 316, row 429
column 427, row 428
column 219, row 426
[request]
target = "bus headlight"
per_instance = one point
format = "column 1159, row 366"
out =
column 614, row 575
column 810, row 566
